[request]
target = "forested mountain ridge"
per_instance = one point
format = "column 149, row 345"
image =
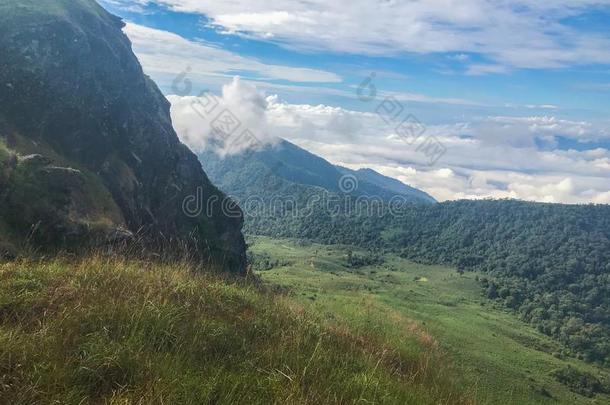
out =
column 285, row 170
column 87, row 148
column 388, row 183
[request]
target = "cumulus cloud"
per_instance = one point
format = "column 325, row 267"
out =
column 492, row 157
column 229, row 124
column 515, row 34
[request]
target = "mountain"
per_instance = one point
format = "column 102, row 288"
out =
column 285, row 170
column 390, row 184
column 548, row 263
column 88, row 154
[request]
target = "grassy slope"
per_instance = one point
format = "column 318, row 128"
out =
column 107, row 331
column 503, row 360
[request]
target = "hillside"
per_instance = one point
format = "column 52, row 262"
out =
column 546, row 262
column 88, row 155
column 287, row 171
column 508, row 361
column 102, row 330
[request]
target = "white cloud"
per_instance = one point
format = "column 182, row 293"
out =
column 135, row 6
column 602, row 198
column 541, row 106
column 600, row 87
column 199, row 121
column 166, row 56
column 165, row 53
column 518, row 128
column 460, row 57
column 484, row 69
column 493, row 157
column 480, row 184
column 510, row 34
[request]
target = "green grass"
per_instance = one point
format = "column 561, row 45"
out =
column 103, row 330
column 314, row 331
column 502, row 360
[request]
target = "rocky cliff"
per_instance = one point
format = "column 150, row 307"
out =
column 87, row 149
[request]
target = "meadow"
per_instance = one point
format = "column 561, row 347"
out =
column 500, row 359
column 313, row 324
column 104, row 330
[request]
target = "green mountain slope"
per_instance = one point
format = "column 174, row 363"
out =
column 549, row 263
column 89, row 154
column 390, row 184
column 123, row 332
column 285, row 170
column 505, row 359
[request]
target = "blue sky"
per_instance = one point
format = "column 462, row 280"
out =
column 518, row 93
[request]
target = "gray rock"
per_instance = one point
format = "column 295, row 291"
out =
column 109, row 119
column 35, row 160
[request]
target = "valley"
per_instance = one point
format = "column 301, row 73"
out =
column 501, row 359
column 193, row 213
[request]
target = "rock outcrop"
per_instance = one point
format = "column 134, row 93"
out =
column 87, row 147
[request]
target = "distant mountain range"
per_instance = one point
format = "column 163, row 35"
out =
column 546, row 262
column 285, row 169
column 388, row 184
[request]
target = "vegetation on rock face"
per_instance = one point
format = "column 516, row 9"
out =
column 74, row 93
column 103, row 330
column 44, row 201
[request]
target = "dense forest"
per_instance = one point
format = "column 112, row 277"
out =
column 548, row 263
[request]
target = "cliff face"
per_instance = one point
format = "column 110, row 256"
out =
column 87, row 136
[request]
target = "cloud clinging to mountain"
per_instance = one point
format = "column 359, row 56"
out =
column 483, row 160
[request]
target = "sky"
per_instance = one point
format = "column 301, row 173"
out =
column 460, row 98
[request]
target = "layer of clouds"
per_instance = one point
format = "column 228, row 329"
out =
column 509, row 34
column 493, row 157
column 165, row 53
column 182, row 66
